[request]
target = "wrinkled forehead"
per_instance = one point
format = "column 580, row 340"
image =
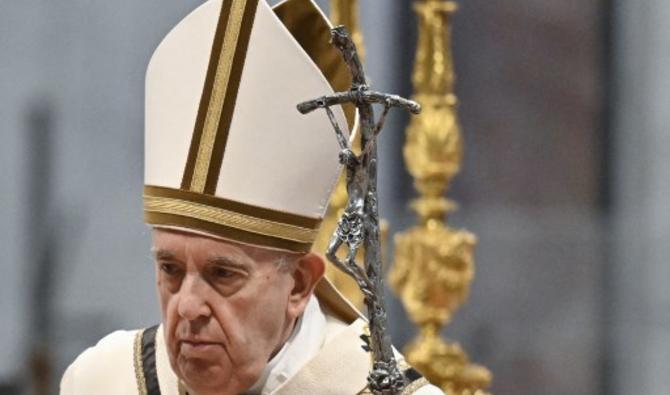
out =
column 176, row 240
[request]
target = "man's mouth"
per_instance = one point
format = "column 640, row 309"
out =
column 198, row 347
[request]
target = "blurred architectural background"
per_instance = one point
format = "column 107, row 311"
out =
column 564, row 107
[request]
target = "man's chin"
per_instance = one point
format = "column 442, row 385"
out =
column 201, row 374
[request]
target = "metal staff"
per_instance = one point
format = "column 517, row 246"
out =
column 359, row 224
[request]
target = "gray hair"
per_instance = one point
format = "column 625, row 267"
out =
column 286, row 262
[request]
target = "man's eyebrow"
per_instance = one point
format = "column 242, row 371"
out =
column 226, row 261
column 160, row 253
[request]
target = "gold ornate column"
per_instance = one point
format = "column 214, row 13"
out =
column 434, row 264
column 343, row 12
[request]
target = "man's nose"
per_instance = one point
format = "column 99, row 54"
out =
column 192, row 299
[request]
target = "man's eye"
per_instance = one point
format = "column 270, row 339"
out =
column 223, row 273
column 169, row 268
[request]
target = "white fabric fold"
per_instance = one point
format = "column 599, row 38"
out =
column 303, row 344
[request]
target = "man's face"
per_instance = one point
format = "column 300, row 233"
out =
column 226, row 309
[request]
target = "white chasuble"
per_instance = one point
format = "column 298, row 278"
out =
column 323, row 356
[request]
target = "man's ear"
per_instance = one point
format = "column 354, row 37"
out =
column 308, row 271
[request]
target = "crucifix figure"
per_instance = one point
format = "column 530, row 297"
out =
column 359, row 224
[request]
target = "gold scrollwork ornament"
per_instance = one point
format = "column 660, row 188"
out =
column 434, row 264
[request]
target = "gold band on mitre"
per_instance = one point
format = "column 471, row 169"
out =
column 229, row 219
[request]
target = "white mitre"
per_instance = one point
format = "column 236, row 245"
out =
column 227, row 153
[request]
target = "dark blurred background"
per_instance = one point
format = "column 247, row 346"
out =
column 565, row 107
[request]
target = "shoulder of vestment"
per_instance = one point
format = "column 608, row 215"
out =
column 342, row 365
column 106, row 368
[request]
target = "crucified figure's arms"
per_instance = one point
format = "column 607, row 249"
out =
column 347, row 156
column 354, row 96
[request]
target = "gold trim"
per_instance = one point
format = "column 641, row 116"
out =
column 224, row 66
column 231, row 205
column 224, row 232
column 414, row 386
column 137, row 362
column 228, row 218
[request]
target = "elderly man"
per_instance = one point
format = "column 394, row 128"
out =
column 236, row 182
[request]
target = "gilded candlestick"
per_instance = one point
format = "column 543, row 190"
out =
column 434, row 264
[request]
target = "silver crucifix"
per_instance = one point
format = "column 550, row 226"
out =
column 359, row 224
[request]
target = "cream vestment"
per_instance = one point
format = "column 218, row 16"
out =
column 338, row 365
